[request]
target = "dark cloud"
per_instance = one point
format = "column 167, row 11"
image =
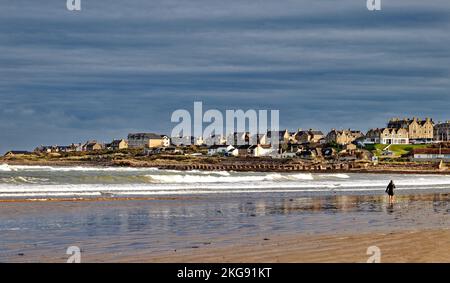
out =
column 118, row 67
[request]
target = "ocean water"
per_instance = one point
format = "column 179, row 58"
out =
column 205, row 209
column 42, row 182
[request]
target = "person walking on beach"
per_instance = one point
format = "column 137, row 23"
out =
column 390, row 191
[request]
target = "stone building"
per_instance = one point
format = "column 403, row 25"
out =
column 282, row 137
column 117, row 145
column 310, row 136
column 417, row 129
column 150, row 140
column 387, row 136
column 92, row 146
column 442, row 131
column 343, row 137
column 15, row 153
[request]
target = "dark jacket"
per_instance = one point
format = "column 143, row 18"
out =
column 390, row 189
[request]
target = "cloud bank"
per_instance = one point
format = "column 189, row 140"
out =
column 117, row 67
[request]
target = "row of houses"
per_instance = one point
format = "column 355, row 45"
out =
column 241, row 150
column 285, row 137
column 135, row 140
column 91, row 145
column 406, row 131
column 398, row 131
column 245, row 138
column 292, row 151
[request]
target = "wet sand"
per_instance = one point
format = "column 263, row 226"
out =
column 242, row 228
column 423, row 246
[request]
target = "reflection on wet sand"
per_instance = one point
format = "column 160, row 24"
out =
column 106, row 230
column 342, row 203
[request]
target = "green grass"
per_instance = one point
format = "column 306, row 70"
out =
column 397, row 149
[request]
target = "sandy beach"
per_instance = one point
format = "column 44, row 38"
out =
column 414, row 246
column 242, row 228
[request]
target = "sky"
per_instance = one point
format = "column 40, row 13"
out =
column 124, row 66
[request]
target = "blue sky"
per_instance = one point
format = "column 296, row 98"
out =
column 124, row 66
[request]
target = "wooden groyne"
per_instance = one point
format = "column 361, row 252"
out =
column 265, row 167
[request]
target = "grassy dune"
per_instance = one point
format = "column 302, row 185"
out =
column 397, row 149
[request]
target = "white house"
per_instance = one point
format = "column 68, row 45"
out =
column 262, row 139
column 260, row 150
column 387, row 136
column 199, row 141
column 233, row 152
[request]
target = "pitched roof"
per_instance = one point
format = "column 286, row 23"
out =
column 244, row 147
column 280, row 134
column 431, row 151
column 18, row 152
column 115, row 142
column 316, row 133
column 216, row 146
column 152, row 136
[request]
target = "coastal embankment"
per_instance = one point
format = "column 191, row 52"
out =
column 186, row 163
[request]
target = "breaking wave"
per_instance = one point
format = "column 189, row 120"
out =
column 338, row 175
column 9, row 168
column 5, row 168
column 208, row 177
column 186, row 178
column 34, row 181
column 23, row 180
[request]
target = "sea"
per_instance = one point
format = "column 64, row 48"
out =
column 41, row 182
column 115, row 214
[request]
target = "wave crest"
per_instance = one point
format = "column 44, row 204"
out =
column 5, row 168
column 189, row 178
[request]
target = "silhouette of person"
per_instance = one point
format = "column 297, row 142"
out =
column 390, row 191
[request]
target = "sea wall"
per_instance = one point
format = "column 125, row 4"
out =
column 249, row 164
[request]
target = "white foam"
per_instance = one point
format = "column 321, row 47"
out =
column 181, row 192
column 302, row 176
column 21, row 180
column 6, row 167
column 338, row 175
column 221, row 173
column 41, row 181
column 190, row 183
column 189, row 179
